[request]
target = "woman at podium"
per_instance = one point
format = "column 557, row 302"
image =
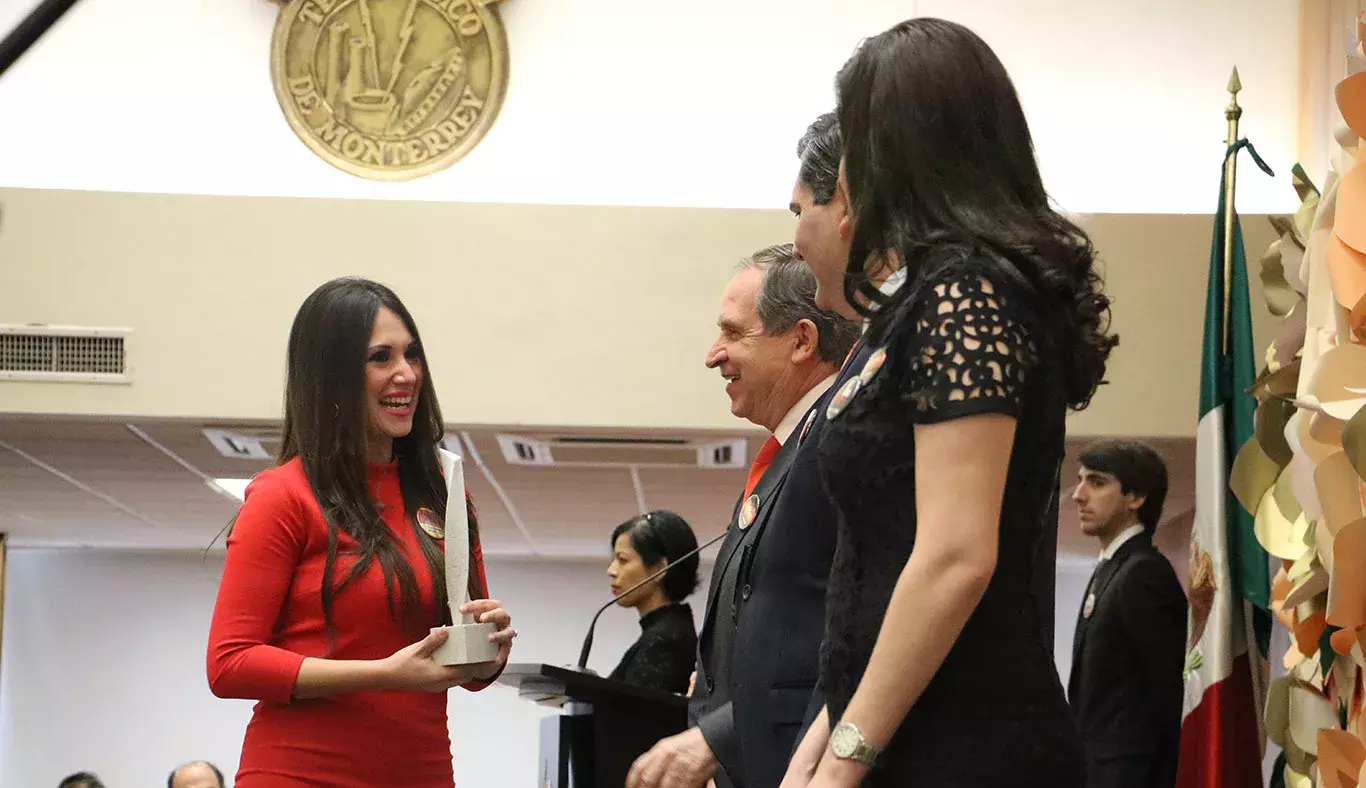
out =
column 663, row 656
column 334, row 574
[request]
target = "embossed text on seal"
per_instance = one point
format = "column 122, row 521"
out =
column 390, row 89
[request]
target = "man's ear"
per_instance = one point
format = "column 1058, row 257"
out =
column 1134, row 501
column 807, row 341
column 840, row 202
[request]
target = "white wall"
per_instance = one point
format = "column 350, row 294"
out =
column 103, row 668
column 621, row 102
column 103, row 665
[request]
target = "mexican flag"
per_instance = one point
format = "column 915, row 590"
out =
column 1229, row 623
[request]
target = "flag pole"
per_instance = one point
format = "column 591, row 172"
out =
column 1232, row 113
column 4, row 555
column 32, row 28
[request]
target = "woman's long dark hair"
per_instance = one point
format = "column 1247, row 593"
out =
column 325, row 413
column 939, row 166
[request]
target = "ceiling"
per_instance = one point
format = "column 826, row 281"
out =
column 67, row 482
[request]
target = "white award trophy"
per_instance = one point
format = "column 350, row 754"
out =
column 467, row 642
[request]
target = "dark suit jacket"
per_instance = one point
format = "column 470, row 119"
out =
column 1126, row 686
column 713, row 708
column 752, row 721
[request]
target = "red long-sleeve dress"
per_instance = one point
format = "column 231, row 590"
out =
column 268, row 618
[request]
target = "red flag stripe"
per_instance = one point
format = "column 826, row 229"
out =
column 1219, row 746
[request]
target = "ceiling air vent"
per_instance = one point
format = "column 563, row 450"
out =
column 67, row 354
column 525, row 451
column 584, row 450
column 729, row 454
column 237, row 445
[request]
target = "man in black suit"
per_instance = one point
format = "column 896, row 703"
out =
column 1126, row 684
column 759, row 648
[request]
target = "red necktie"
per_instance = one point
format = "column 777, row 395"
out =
column 761, row 462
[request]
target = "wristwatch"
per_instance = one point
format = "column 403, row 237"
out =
column 848, row 744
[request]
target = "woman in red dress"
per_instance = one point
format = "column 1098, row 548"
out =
column 334, row 575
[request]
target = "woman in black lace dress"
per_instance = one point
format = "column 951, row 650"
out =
column 664, row 656
column 943, row 455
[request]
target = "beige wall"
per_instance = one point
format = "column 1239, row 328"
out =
column 545, row 315
column 1157, row 268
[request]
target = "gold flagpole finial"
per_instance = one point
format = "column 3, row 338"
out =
column 1232, row 113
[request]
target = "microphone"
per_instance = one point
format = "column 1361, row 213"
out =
column 588, row 641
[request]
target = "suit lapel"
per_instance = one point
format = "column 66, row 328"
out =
column 1092, row 584
column 853, row 365
column 723, row 554
column 768, row 494
column 1079, row 631
column 733, row 537
column 1105, row 573
column 766, row 490
column 1116, row 561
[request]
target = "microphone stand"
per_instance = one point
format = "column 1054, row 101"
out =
column 588, row 641
column 30, row 30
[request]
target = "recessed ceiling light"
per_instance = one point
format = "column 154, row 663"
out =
column 233, row 488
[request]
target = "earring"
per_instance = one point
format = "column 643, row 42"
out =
column 336, row 409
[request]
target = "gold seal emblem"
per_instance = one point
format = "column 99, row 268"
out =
column 390, row 89
column 429, row 522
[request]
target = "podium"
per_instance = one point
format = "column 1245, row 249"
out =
column 602, row 727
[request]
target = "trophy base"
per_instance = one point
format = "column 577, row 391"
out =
column 467, row 644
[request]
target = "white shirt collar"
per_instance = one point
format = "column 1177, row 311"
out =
column 889, row 286
column 893, row 282
column 794, row 417
column 1124, row 536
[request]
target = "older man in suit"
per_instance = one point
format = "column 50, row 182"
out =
column 759, row 648
column 1126, row 684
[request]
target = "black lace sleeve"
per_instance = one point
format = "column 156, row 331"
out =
column 966, row 346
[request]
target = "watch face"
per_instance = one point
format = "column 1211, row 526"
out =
column 843, row 741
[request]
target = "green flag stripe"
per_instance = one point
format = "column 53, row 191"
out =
column 1225, row 379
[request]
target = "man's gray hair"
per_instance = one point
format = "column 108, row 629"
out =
column 787, row 296
column 819, row 151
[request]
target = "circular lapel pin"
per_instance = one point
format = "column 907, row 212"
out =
column 1089, row 607
column 842, row 397
column 429, row 522
column 749, row 511
column 871, row 367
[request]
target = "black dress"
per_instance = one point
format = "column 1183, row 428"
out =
column 665, row 654
column 970, row 338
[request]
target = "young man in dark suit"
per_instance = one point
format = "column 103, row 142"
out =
column 759, row 648
column 1126, row 684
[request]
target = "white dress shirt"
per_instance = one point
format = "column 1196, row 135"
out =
column 1124, row 536
column 888, row 287
column 794, row 417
